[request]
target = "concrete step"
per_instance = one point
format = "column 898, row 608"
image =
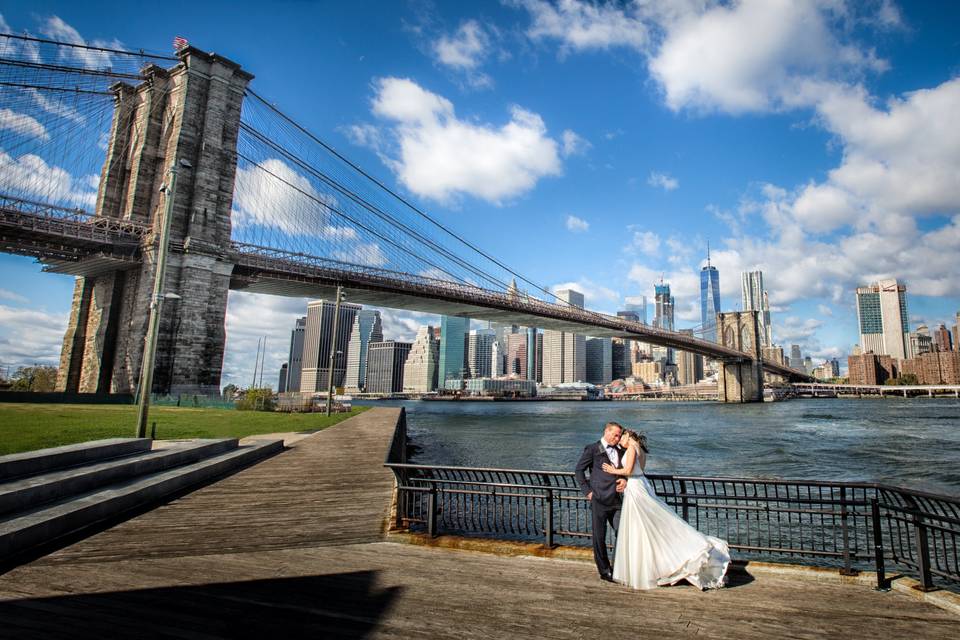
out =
column 34, row 491
column 44, row 525
column 18, row 465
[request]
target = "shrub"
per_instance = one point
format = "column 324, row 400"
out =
column 257, row 400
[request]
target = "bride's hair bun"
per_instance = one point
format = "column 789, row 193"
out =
column 641, row 439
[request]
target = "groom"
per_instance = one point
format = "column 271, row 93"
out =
column 603, row 490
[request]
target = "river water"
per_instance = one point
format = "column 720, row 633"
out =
column 913, row 443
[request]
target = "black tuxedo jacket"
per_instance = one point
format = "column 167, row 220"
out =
column 602, row 484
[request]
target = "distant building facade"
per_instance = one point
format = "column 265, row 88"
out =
column 753, row 297
column 599, row 367
column 295, row 359
column 453, row 348
column 367, row 328
column 564, row 353
column 385, row 362
column 420, row 369
column 882, row 314
column 480, row 352
column 709, row 299
column 282, row 381
column 318, row 340
column 942, row 338
column 871, row 369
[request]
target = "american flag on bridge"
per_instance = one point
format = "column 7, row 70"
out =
column 180, row 43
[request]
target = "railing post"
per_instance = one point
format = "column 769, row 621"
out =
column 432, row 511
column 923, row 553
column 548, row 516
column 684, row 501
column 878, row 545
column 845, row 531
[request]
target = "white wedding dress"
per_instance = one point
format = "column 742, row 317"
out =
column 656, row 547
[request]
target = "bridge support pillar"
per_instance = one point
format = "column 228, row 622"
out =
column 740, row 381
column 189, row 117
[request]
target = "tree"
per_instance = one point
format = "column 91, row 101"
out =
column 907, row 378
column 257, row 400
column 35, row 378
column 230, row 391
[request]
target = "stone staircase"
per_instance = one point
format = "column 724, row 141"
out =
column 50, row 494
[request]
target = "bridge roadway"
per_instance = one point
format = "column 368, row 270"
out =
column 295, row 547
column 74, row 242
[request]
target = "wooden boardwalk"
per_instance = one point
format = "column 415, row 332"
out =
column 294, row 547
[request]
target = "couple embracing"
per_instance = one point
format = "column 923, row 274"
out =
column 655, row 546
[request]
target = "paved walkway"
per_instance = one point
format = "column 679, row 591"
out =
column 293, row 547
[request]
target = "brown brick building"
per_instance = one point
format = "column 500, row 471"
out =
column 869, row 368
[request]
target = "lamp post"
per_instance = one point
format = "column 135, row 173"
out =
column 156, row 304
column 333, row 347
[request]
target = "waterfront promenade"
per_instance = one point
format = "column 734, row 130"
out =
column 295, row 547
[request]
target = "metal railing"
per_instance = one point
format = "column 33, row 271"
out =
column 848, row 525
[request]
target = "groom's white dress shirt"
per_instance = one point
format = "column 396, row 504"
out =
column 612, row 454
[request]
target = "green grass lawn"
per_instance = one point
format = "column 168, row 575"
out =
column 25, row 427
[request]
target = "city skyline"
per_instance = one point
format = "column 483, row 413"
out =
column 624, row 188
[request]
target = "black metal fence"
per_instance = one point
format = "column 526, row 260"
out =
column 844, row 524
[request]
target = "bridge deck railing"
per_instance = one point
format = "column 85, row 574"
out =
column 849, row 525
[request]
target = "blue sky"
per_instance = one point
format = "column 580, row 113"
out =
column 600, row 145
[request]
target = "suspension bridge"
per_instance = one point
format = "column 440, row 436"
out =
column 88, row 138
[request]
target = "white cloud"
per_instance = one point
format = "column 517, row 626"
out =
column 30, row 336
column 646, row 242
column 662, row 180
column 825, row 310
column 706, row 61
column 30, row 176
column 56, row 29
column 583, row 26
column 439, row 156
column 10, row 295
column 368, row 254
column 577, row 225
column 22, row 124
column 573, row 144
column 465, row 49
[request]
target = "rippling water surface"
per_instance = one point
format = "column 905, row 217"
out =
column 909, row 442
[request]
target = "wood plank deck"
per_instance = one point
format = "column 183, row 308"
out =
column 293, row 547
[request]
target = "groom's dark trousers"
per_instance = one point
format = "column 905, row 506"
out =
column 605, row 503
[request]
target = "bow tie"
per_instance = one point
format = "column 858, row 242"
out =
column 612, row 447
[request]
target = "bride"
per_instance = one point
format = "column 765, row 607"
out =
column 655, row 546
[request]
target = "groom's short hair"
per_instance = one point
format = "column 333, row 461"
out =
column 613, row 424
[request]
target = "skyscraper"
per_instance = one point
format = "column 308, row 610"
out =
column 956, row 333
column 882, row 312
column 796, row 358
column 942, row 338
column 599, row 367
column 517, row 355
column 709, row 299
column 754, row 298
column 480, row 352
column 453, row 353
column 282, row 381
column 367, row 328
column 385, row 362
column 663, row 319
column 295, row 360
column 638, row 305
column 318, row 339
column 689, row 365
column 564, row 353
column 420, row 368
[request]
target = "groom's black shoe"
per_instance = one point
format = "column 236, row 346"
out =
column 608, row 577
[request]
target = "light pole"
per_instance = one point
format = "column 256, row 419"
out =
column 333, row 347
column 156, row 304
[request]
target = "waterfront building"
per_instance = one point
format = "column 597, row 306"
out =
column 385, row 363
column 517, row 355
column 709, row 299
column 796, row 358
column 421, row 366
column 823, row 371
column 942, row 338
column 835, row 368
column 282, row 382
column 620, row 356
column 318, row 340
column 754, row 298
column 564, row 353
column 650, row 372
column 882, row 313
column 497, row 387
column 599, row 354
column 453, row 348
column 480, row 352
column 295, row 359
column 920, row 342
column 367, row 328
column 871, row 369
